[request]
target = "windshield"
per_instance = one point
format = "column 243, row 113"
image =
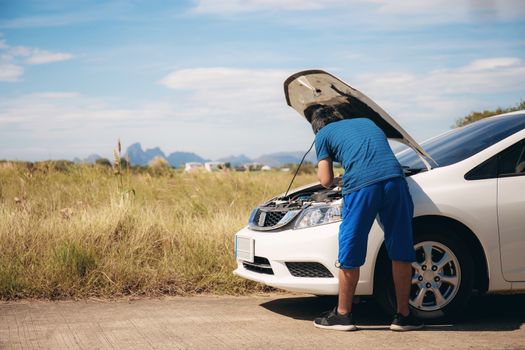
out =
column 461, row 143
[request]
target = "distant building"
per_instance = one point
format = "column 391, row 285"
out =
column 214, row 166
column 266, row 168
column 253, row 166
column 193, row 166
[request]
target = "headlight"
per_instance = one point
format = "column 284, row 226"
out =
column 319, row 215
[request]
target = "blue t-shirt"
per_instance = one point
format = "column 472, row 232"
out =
column 362, row 149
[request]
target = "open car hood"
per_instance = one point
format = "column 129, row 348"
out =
column 308, row 90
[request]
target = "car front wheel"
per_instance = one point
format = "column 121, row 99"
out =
column 442, row 277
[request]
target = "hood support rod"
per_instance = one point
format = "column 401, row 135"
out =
column 299, row 167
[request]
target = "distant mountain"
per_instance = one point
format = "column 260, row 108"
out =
column 137, row 156
column 235, row 160
column 177, row 159
column 281, row 158
column 91, row 159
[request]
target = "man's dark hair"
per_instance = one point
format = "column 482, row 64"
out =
column 324, row 115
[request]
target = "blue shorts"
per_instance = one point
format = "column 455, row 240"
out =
column 391, row 202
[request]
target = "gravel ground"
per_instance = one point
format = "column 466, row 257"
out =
column 280, row 321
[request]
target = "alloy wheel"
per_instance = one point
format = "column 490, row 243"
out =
column 436, row 276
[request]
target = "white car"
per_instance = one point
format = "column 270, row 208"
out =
column 468, row 188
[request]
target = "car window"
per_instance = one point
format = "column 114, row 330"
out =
column 512, row 161
column 461, row 143
column 509, row 162
column 486, row 170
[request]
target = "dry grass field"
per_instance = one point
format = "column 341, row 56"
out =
column 76, row 231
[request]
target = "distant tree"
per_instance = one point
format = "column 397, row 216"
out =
column 475, row 116
column 103, row 162
column 158, row 162
column 56, row 165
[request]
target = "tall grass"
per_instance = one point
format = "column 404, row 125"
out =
column 80, row 231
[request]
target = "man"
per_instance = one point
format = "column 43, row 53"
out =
column 373, row 185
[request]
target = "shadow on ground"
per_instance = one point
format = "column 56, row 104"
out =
column 484, row 313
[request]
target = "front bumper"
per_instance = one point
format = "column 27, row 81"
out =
column 315, row 244
column 311, row 285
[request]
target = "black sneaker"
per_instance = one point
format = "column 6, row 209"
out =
column 405, row 323
column 334, row 320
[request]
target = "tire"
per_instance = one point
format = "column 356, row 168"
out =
column 447, row 283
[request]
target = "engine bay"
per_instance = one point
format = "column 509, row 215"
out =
column 306, row 197
column 283, row 210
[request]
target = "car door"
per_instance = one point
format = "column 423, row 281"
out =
column 511, row 211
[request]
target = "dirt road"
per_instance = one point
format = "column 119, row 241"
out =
column 273, row 322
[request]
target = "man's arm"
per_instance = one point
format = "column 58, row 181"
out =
column 325, row 172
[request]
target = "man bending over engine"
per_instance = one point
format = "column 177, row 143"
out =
column 373, row 185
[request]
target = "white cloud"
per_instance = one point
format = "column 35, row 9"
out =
column 40, row 21
column 51, row 125
column 238, row 6
column 41, row 57
column 230, row 93
column 438, row 10
column 424, row 103
column 55, row 94
column 222, row 78
column 13, row 57
column 17, row 51
column 492, row 75
column 44, row 111
column 432, row 98
column 10, row 72
column 493, row 63
column 33, row 55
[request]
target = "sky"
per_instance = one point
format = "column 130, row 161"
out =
column 206, row 76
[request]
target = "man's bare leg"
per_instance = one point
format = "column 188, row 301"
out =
column 348, row 279
column 402, row 273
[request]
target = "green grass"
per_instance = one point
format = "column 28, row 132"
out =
column 80, row 231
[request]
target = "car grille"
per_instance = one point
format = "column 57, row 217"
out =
column 259, row 265
column 271, row 219
column 308, row 269
column 264, row 220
